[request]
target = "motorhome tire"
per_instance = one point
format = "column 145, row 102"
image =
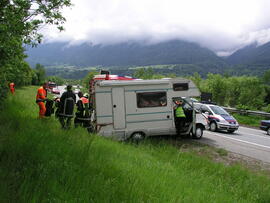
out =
column 213, row 126
column 137, row 137
column 198, row 133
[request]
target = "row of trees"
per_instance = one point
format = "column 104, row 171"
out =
column 20, row 21
column 244, row 92
column 149, row 73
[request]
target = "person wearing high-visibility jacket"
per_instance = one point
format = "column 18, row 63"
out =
column 41, row 98
column 12, row 87
column 180, row 116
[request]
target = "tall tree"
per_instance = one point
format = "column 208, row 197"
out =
column 41, row 73
column 266, row 77
column 89, row 77
column 20, row 21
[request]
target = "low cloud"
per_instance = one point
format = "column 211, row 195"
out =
column 223, row 26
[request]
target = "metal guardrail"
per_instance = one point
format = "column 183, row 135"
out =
column 247, row 112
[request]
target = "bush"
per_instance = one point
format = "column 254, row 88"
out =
column 266, row 109
column 3, row 91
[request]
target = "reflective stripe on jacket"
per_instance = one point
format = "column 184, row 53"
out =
column 179, row 112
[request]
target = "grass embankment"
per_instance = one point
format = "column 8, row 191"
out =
column 249, row 120
column 41, row 163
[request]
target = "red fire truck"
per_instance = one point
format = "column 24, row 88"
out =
column 104, row 75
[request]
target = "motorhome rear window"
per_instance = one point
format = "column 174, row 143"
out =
column 180, row 86
column 151, row 99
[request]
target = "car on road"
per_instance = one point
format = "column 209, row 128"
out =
column 218, row 118
column 265, row 125
column 55, row 91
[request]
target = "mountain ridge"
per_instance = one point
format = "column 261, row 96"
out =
column 123, row 54
column 251, row 55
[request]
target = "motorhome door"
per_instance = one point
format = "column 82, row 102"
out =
column 118, row 98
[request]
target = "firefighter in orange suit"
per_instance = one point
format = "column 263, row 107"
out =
column 12, row 87
column 41, row 98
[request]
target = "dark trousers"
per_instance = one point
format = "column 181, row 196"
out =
column 77, row 121
column 65, row 122
column 179, row 124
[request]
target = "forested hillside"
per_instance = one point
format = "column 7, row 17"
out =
column 252, row 55
column 171, row 57
column 124, row 54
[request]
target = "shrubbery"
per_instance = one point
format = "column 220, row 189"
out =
column 244, row 92
column 19, row 26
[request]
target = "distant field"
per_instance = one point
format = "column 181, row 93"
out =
column 41, row 163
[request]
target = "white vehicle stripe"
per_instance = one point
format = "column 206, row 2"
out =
column 230, row 138
column 252, row 129
column 261, row 136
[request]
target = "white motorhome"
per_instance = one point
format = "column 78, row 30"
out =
column 139, row 108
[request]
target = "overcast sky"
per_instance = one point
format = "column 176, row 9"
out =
column 221, row 25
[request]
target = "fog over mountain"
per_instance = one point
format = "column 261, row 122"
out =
column 252, row 55
column 154, row 32
column 223, row 26
column 123, row 54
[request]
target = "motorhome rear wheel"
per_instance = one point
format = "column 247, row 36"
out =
column 137, row 136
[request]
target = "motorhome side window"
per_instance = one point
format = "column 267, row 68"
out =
column 180, row 86
column 151, row 99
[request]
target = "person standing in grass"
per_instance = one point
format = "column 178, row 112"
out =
column 67, row 102
column 80, row 109
column 180, row 116
column 12, row 87
column 83, row 111
column 41, row 98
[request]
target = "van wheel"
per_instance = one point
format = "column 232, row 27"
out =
column 213, row 126
column 198, row 133
column 268, row 131
column 137, row 137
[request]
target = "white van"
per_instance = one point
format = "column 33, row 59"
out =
column 218, row 118
column 139, row 108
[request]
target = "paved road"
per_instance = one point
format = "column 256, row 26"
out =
column 246, row 141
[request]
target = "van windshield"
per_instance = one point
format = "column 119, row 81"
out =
column 218, row 110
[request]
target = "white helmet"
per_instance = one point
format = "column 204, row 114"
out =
column 85, row 95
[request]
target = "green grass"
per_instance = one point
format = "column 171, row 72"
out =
column 249, row 120
column 41, row 163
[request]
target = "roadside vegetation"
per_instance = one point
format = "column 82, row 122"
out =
column 20, row 25
column 249, row 120
column 242, row 92
column 41, row 163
